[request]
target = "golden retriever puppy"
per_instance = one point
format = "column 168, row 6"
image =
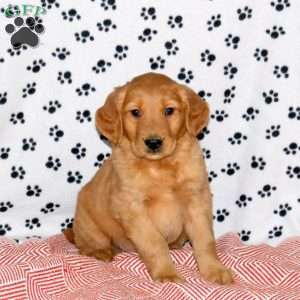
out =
column 153, row 192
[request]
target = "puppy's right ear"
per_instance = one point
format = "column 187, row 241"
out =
column 108, row 116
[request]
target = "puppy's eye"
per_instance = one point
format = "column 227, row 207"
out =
column 136, row 113
column 169, row 111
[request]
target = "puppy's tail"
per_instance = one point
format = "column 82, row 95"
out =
column 69, row 234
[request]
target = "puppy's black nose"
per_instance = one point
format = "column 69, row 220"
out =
column 153, row 143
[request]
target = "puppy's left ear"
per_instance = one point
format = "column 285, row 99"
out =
column 197, row 111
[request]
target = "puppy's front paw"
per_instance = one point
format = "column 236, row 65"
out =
column 217, row 274
column 168, row 277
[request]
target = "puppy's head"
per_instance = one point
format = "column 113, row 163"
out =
column 151, row 113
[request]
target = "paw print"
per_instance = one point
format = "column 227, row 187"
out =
column 74, row 177
column 275, row 32
column 281, row 71
column 36, row 66
column 282, row 210
column 201, row 135
column 230, row 169
column 13, row 51
column 64, row 77
column 245, row 235
column 207, row 57
column 221, row 215
column 108, row 4
column 3, row 98
column 121, row 52
column 294, row 113
column 30, row 89
column 28, row 144
column 219, row 115
column 244, row 13
column 85, row 89
column 52, row 163
column 100, row 159
column 31, row 223
column 230, row 70
column 270, row 97
column 83, row 116
column 4, row 228
column 147, row 35
column 61, row 53
column 204, row 95
column 185, row 75
column 4, row 153
column 229, row 94
column 243, row 201
column 206, row 153
column 83, row 36
column 257, row 163
column 106, row 25
column 17, row 118
column 232, row 41
column 49, row 207
column 266, row 191
column 261, row 54
column 175, row 21
column 280, row 5
column 250, row 114
column 211, row 176
column 68, row 223
column 56, row 133
column 171, row 47
column 157, row 63
column 71, row 15
column 4, row 206
column 274, row 131
column 148, row 13
column 292, row 148
column 237, row 138
column 17, row 172
column 275, row 232
column 33, row 191
column 214, row 22
column 101, row 66
column 78, row 151
column 49, row 3
column 293, row 172
column 52, row 107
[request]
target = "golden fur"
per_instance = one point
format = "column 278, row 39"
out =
column 150, row 201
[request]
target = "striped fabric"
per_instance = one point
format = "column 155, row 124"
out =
column 52, row 269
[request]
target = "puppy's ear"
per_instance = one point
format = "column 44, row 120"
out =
column 108, row 117
column 197, row 111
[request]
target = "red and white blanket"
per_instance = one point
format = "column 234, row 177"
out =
column 52, row 269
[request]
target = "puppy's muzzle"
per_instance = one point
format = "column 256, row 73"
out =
column 153, row 144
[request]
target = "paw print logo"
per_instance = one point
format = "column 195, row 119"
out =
column 61, row 53
column 221, row 215
column 64, row 77
column 237, row 138
column 171, row 47
column 206, row 153
column 250, row 114
column 101, row 66
column 78, row 151
column 13, row 52
column 204, row 95
column 71, row 15
column 4, row 228
column 294, row 113
column 281, row 71
column 275, row 232
column 230, row 169
column 53, row 163
column 5, row 206
column 52, row 107
column 266, row 191
column 244, row 13
column 214, row 22
column 33, row 191
column 4, row 153
column 49, row 207
column 229, row 94
column 56, row 133
column 30, row 89
column 275, row 32
column 245, row 235
column 28, row 144
column 68, row 223
column 261, row 54
column 292, row 148
column 108, row 4
column 17, row 118
column 282, row 210
column 175, row 21
column 121, row 52
column 257, row 163
column 36, row 66
column 147, row 35
column 3, row 98
column 243, row 201
column 85, row 90
column 207, row 57
column 273, row 132
column 232, row 41
column 83, row 116
column 25, row 33
column 32, row 223
column 212, row 175
column 17, row 172
column 293, row 172
column 148, row 13
column 157, row 63
column 280, row 5
column 50, row 3
column 201, row 135
column 100, row 159
column 270, row 97
column 83, row 36
column 185, row 75
column 106, row 25
column 219, row 115
column 74, row 177
column 230, row 70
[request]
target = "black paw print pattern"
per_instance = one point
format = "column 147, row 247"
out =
column 276, row 232
column 147, row 35
column 121, row 52
column 61, row 53
column 71, row 15
column 231, row 169
column 293, row 172
column 36, row 66
column 270, row 97
column 100, row 159
column 244, row 235
column 3, row 98
column 101, row 66
column 293, row 148
column 232, row 41
column 282, row 210
column 261, row 54
column 157, row 63
column 30, row 89
column 237, row 138
column 83, row 116
column 219, row 115
column 106, row 25
column 53, row 163
column 33, row 191
column 230, row 70
column 85, row 89
column 273, row 132
column 4, row 153
column 78, row 151
column 148, row 13
column 56, row 133
column 28, row 144
column 280, row 5
column 171, row 47
column 175, row 21
column 207, row 57
column 52, row 106
column 214, row 22
column 221, row 215
column 229, row 94
column 257, row 163
column 243, row 200
column 68, row 223
column 281, row 71
column 266, row 190
column 64, row 77
column 185, row 75
column 74, row 177
column 250, row 114
column 244, row 13
column 49, row 207
column 275, row 32
column 294, row 113
column 84, row 36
